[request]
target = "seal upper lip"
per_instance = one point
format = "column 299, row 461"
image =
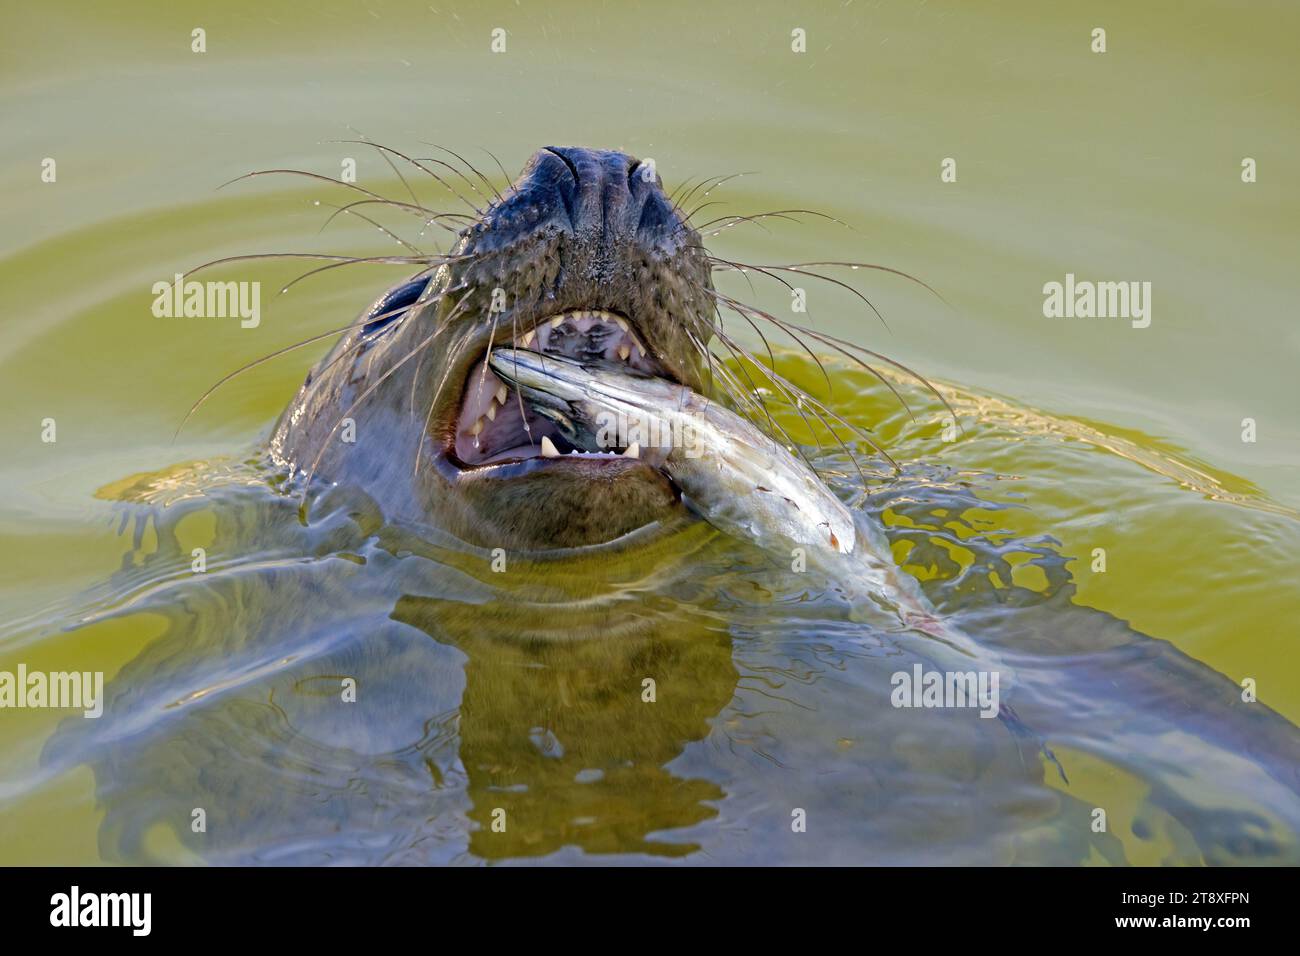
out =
column 495, row 425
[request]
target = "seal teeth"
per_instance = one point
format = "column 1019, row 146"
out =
column 492, row 413
column 633, row 450
column 502, row 393
column 587, row 333
column 548, row 448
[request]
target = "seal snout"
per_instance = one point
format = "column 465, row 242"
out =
column 583, row 257
column 589, row 260
column 594, row 194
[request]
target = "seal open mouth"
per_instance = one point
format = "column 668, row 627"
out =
column 584, row 257
column 496, row 426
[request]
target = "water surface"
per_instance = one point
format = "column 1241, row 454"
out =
column 1077, row 435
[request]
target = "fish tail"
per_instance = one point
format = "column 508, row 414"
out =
column 1021, row 731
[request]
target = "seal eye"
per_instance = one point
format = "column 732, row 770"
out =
column 394, row 303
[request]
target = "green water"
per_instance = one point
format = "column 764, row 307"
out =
column 1078, row 434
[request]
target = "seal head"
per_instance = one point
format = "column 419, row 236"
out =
column 584, row 256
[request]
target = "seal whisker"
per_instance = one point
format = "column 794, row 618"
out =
column 311, row 472
column 455, row 192
column 719, row 331
column 459, row 173
column 741, row 393
column 472, row 168
column 419, row 165
column 505, row 175
column 340, row 260
column 703, row 205
column 382, row 228
column 419, row 369
column 711, row 182
column 738, row 219
column 751, row 397
column 732, row 346
column 870, row 368
column 429, row 216
column 794, row 397
column 917, row 376
column 251, row 365
column 703, row 350
column 310, row 175
column 391, row 165
column 382, row 260
column 770, row 272
column 364, row 319
column 818, row 408
column 792, row 329
column 801, row 266
column 433, row 402
column 736, row 306
column 678, row 188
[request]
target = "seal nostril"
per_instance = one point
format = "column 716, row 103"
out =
column 567, row 162
column 656, row 215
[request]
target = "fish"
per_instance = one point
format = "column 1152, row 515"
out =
column 730, row 473
column 747, row 485
column 736, row 477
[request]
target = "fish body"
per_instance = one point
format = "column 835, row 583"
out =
column 736, row 478
column 733, row 475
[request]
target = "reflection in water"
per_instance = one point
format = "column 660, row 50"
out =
column 560, row 737
column 519, row 698
column 522, row 691
column 249, row 655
